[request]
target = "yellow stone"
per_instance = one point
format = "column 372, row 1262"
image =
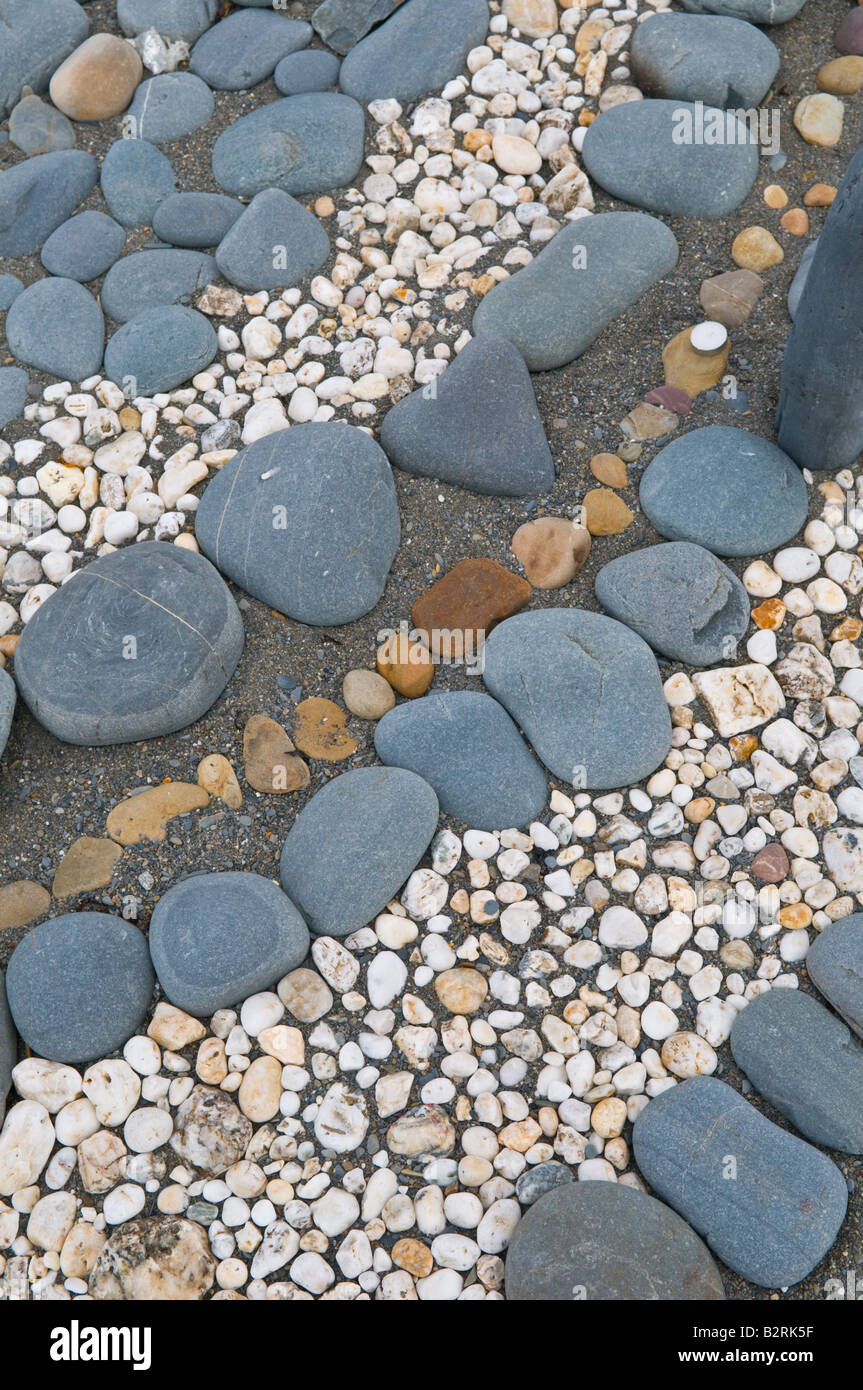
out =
column 756, row 249
column 144, row 817
column 841, row 77
column 605, row 514
column 21, row 902
column 320, row 731
column 87, row 864
column 217, row 777
column 609, row 469
column 691, row 371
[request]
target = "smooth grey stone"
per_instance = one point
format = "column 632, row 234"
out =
column 37, row 36
column 10, row 288
column 682, row 600
column 342, row 23
column 544, row 1177
column 275, row 242
column 756, row 11
column 648, row 153
column 835, row 966
column 774, row 1215
column 243, row 49
column 354, row 844
column 467, row 748
column 806, row 1063
column 196, row 219
column 418, row 49
column 798, row 284
column 57, row 326
column 722, row 62
column 37, row 128
column 173, row 19
column 40, row 193
column 8, row 1047
column 312, row 71
column 306, row 520
column 725, row 489
column 160, row 349
column 305, row 144
column 440, row 431
column 139, row 644
column 589, row 274
column 84, row 247
column 13, row 393
column 601, row 1240
column 136, row 178
column 586, row 692
column 820, row 417
column 7, row 707
column 149, row 278
column 79, row 986
column 169, row 105
column 217, row 938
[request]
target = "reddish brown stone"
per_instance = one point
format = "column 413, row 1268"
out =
column 455, row 614
column 672, row 397
column 770, row 864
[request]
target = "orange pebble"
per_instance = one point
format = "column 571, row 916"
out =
column 795, row 221
column 406, row 665
column 769, row 614
column 820, row 195
column 775, row 197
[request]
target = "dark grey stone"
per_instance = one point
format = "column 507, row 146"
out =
column 354, row 844
column 774, row 1215
column 13, row 393
column 217, row 938
column 682, row 600
column 820, row 417
column 37, row 128
column 10, row 288
column 147, row 279
column 649, row 153
column 84, row 247
column 274, row 243
column 756, row 11
column 315, row 70
column 173, row 19
column 7, row 707
column 40, row 193
column 160, row 349
column 79, row 986
column 586, row 692
column 418, row 49
column 57, row 326
column 8, row 1047
column 590, row 273
column 601, row 1240
column 305, row 519
column 342, row 23
column 139, row 644
column 243, row 49
column 835, row 966
column 37, row 36
column 439, row 432
column 467, row 748
column 196, row 219
column 169, row 105
column 305, row 144
column 136, row 178
column 544, row 1177
column 798, row 284
column 725, row 489
column 722, row 62
column 803, row 1059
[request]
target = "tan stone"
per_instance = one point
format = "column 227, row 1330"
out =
column 795, row 221
column 283, row 1042
column 841, row 77
column 87, row 864
column 775, row 197
column 756, row 249
column 608, row 1117
column 770, row 614
column 305, row 994
column 609, row 469
column 515, row 155
column 818, row 118
column 261, row 1089
column 406, row 665
column 217, row 777
column 536, row 19
column 156, row 1259
column 211, row 1063
column 172, row 1028
column 648, row 422
column 820, row 195
column 270, row 762
column 424, row 1131
column 97, row 80
column 320, row 730
column 413, row 1256
column 101, row 1161
column 22, row 902
column 589, row 35
column 81, row 1250
column 461, row 990
column 520, row 1136
column 605, row 514
column 552, row 549
column 367, row 695
column 690, row 370
column 730, row 298
column 739, row 698
column 144, row 817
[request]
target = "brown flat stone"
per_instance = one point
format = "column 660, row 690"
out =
column 406, row 665
column 648, row 422
column 672, row 397
column 320, row 730
column 270, row 762
column 455, row 615
column 693, row 372
column 795, row 221
column 605, row 514
column 820, row 195
column 216, row 776
column 87, row 864
column 97, row 80
column 609, row 469
column 731, row 297
column 552, row 549
column 144, row 817
column 22, row 902
column 770, row 865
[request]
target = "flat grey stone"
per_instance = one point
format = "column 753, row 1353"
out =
column 7, row 707
column 37, row 36
column 772, row 1217
column 13, row 393
column 589, row 274
column 40, row 193
column 467, row 748
column 835, row 966
column 138, row 644
column 725, row 489
column 169, row 105
column 305, row 144
column 147, row 279
column 649, row 153
column 243, row 49
column 217, row 938
column 586, row 692
column 803, row 1059
column 57, row 326
column 79, row 986
column 354, row 844
column 173, row 19
column 342, row 23
column 722, row 62
column 756, row 11
column 275, row 243
column 159, row 349
column 601, row 1240
column 315, row 70
column 84, row 247
column 136, row 178
column 439, row 432
column 682, row 600
column 196, row 219
column 37, row 128
column 798, row 284
column 8, row 1047
column 10, row 288
column 306, row 520
column 418, row 49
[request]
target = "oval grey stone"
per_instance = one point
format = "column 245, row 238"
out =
column 720, row 61
column 275, row 243
column 10, row 288
column 159, row 349
column 84, row 247
column 417, row 50
column 135, row 179
column 243, row 49
column 305, row 144
column 147, row 279
column 169, row 105
column 40, row 193
column 57, row 326
column 196, row 219
column 835, row 965
column 315, row 70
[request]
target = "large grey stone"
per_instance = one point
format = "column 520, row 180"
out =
column 159, row 349
column 354, row 844
column 40, row 193
column 57, row 326
column 655, row 154
column 835, row 965
column 37, row 36
column 589, row 274
column 586, row 692
column 169, row 105
column 768, row 1204
column 147, row 279
column 84, row 247
column 725, row 489
column 196, row 219
column 467, row 748
column 803, row 1059
column 275, row 243
column 173, row 19
column 138, row 644
column 305, row 519
column 135, row 178
column 243, row 49
column 79, row 986
column 8, row 1047
column 217, row 938
column 682, row 600
column 7, row 707
column 722, row 62
column 13, row 393
column 756, row 11
column 418, row 49
column 601, row 1240
column 305, row 144
column 342, row 23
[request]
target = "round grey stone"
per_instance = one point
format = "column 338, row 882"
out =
column 305, row 144
column 835, row 966
column 173, row 19
column 169, row 105
column 243, row 49
column 57, row 326
column 84, row 247
column 159, row 349
column 13, row 393
column 196, row 219
column 37, row 36
column 7, row 707
column 147, row 279
column 40, row 193
column 275, row 243
column 136, row 178
column 315, row 70
column 722, row 62
column 417, row 50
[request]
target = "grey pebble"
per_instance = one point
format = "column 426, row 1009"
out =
column 169, row 105
column 57, row 326
column 136, row 178
column 159, row 349
column 84, row 247
column 274, row 243
column 196, row 219
column 147, row 279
